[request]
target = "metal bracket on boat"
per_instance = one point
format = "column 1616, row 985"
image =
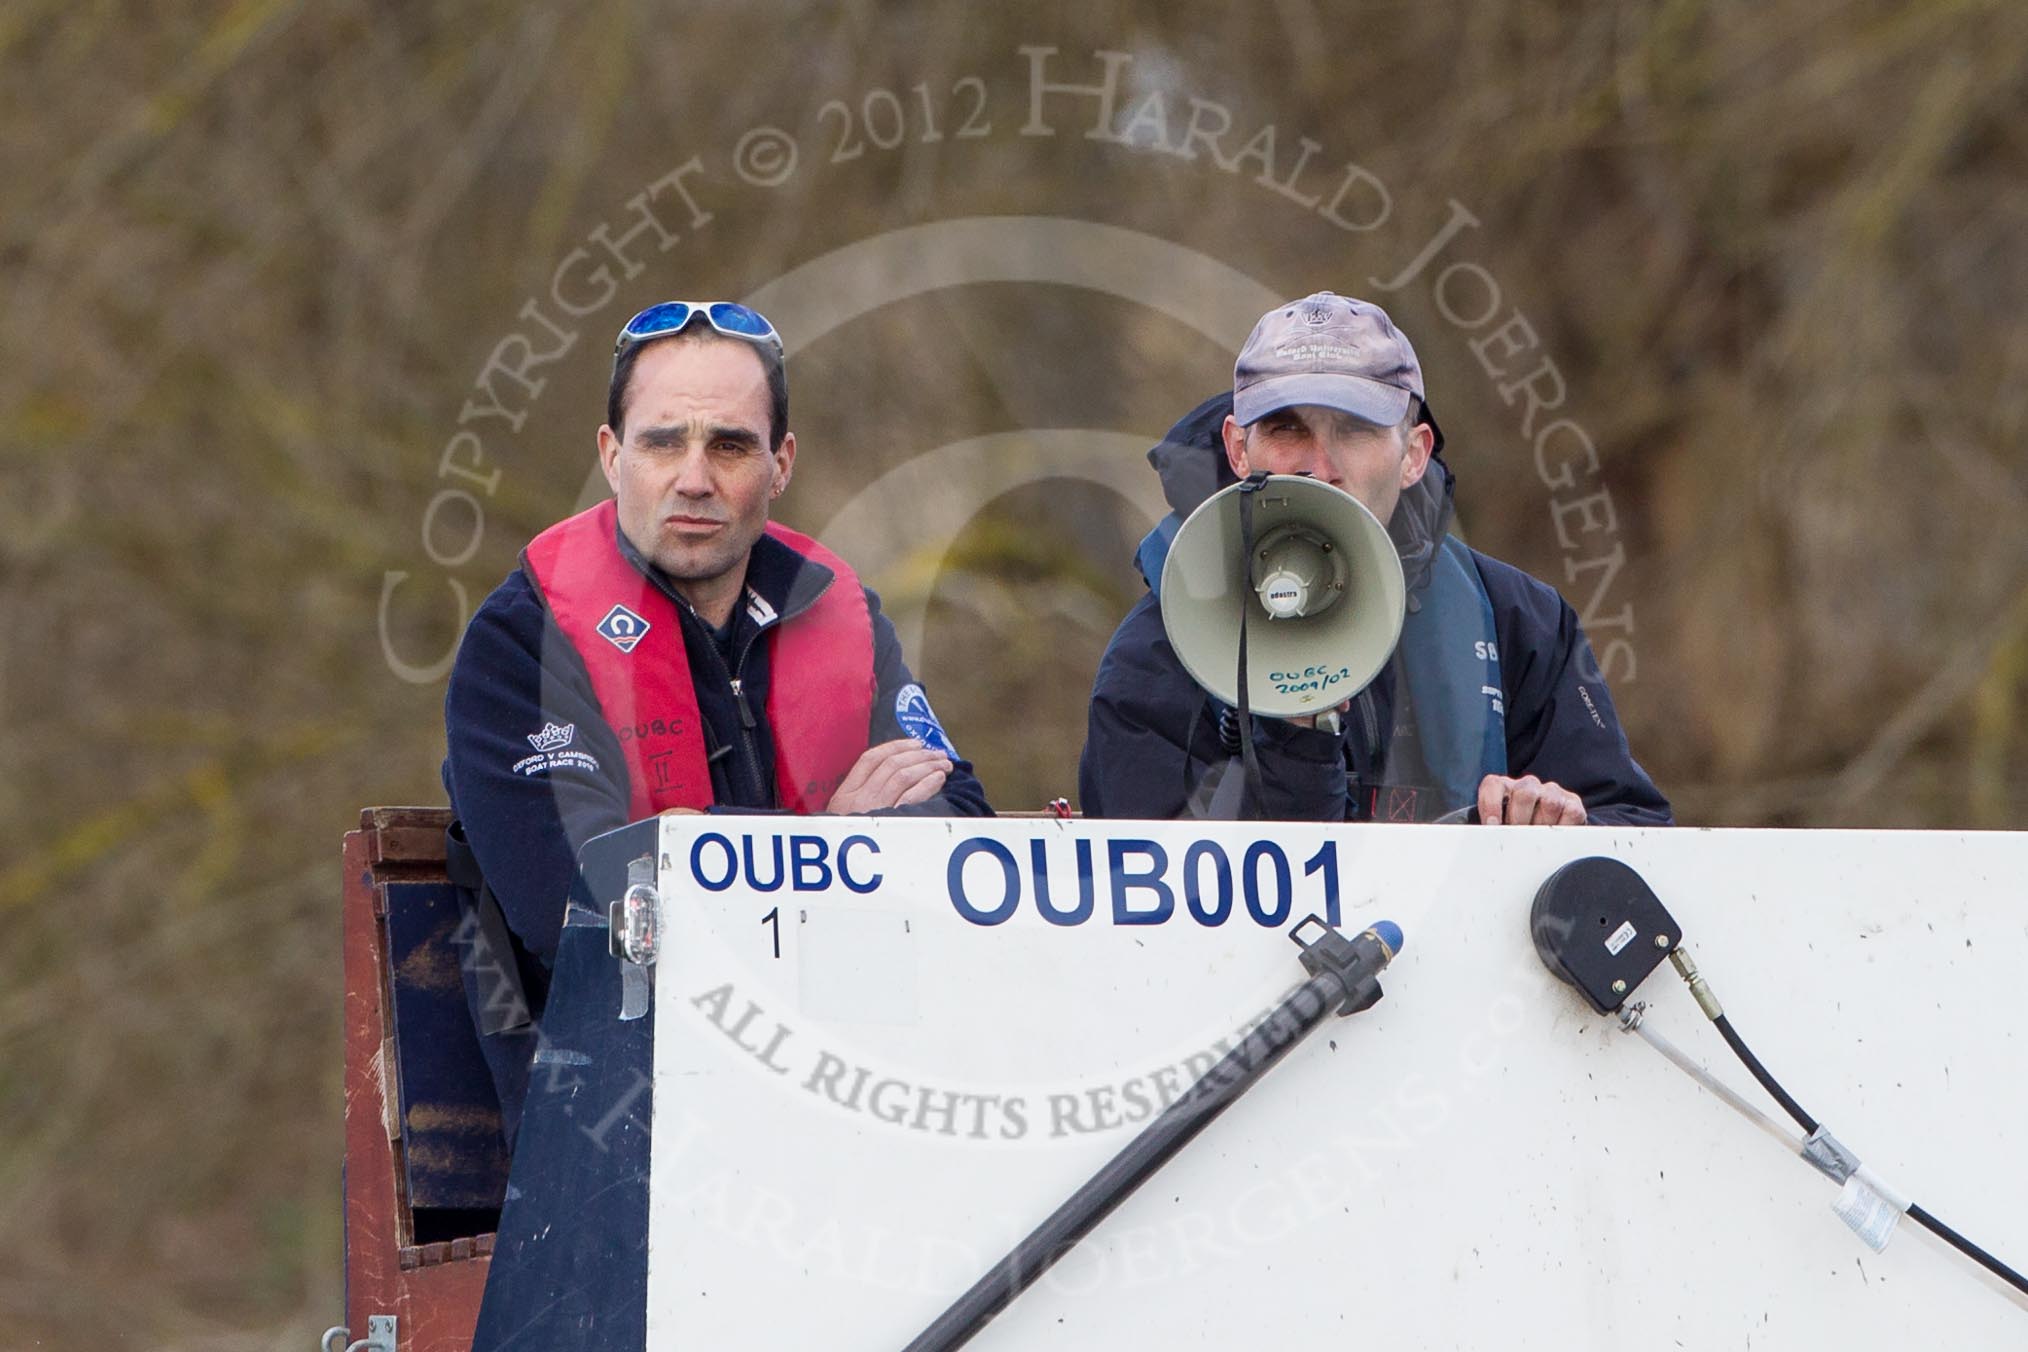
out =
column 380, row 1336
column 635, row 921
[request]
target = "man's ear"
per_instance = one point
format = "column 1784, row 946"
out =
column 609, row 455
column 1421, row 443
column 1235, row 446
column 785, row 464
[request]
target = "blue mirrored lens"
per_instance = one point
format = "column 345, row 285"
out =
column 732, row 318
column 667, row 317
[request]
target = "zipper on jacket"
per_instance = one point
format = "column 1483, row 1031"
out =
column 739, row 691
column 749, row 757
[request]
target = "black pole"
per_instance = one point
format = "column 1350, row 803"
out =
column 1344, row 974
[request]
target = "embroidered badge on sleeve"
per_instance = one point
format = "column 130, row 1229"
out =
column 912, row 710
column 552, row 752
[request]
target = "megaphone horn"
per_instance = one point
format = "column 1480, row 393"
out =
column 1324, row 610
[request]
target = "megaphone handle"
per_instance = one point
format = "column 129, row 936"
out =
column 1243, row 710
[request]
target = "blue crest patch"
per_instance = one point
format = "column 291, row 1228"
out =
column 622, row 628
column 912, row 710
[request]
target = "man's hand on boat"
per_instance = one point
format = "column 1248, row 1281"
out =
column 893, row 774
column 1527, row 801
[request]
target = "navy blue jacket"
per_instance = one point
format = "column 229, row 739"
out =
column 1153, row 745
column 516, row 674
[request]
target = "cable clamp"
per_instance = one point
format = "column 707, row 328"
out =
column 1833, row 1158
column 1866, row 1203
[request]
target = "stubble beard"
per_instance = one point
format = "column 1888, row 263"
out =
column 694, row 565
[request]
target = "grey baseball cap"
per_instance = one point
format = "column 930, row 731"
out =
column 1331, row 350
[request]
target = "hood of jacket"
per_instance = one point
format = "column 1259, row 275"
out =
column 1191, row 464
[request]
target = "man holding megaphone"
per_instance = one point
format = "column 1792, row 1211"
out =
column 1315, row 645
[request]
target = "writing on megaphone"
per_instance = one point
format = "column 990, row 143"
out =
column 1324, row 607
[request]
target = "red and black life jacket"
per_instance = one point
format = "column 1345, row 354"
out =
column 629, row 633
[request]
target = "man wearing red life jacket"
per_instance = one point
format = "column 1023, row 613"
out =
column 670, row 650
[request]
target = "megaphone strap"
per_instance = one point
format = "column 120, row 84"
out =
column 1243, row 709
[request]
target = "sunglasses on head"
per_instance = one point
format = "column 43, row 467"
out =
column 728, row 317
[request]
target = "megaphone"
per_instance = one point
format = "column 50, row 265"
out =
column 1323, row 612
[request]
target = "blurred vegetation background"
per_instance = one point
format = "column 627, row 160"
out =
column 256, row 256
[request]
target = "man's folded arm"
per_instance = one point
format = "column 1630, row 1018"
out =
column 962, row 795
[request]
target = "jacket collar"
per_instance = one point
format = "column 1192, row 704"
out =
column 780, row 583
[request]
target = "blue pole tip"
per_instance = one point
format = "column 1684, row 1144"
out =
column 1390, row 934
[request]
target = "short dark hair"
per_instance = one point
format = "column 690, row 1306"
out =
column 700, row 330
